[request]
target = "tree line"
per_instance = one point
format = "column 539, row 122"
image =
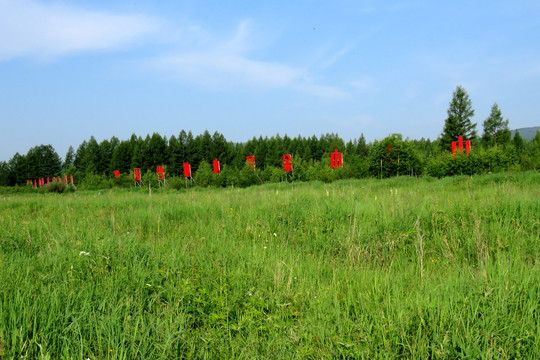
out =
column 93, row 163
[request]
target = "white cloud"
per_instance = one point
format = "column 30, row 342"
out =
column 219, row 69
column 29, row 28
column 225, row 64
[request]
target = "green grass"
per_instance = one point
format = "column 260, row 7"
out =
column 398, row 268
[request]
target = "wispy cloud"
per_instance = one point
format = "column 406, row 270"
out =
column 29, row 28
column 226, row 64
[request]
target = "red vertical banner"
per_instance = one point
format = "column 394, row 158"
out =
column 35, row 183
column 160, row 170
column 217, row 168
column 71, row 178
column 116, row 173
column 65, row 179
column 468, row 146
column 460, row 141
column 287, row 162
column 251, row 160
column 137, row 174
column 187, row 170
column 454, row 148
column 48, row 181
column 336, row 159
column 42, row 181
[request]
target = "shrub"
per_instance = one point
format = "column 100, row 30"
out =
column 392, row 156
column 204, row 176
column 54, row 186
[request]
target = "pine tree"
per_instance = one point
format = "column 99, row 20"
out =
column 42, row 161
column 4, row 173
column 361, row 146
column 458, row 122
column 92, row 156
column 496, row 129
column 519, row 143
column 80, row 158
column 121, row 157
column 69, row 159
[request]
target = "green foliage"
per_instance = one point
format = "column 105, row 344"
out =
column 54, row 187
column 248, row 176
column 93, row 164
column 458, row 123
column 4, row 173
column 480, row 161
column 496, row 129
column 204, row 176
column 519, row 143
column 94, row 182
column 69, row 159
column 535, row 151
column 393, row 157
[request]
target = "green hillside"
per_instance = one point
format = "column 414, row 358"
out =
column 527, row 133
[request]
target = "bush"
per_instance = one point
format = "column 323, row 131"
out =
column 393, row 157
column 479, row 161
column 204, row 176
column 54, row 186
column 96, row 182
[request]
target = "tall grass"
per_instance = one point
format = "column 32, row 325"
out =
column 399, row 268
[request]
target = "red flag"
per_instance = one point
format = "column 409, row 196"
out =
column 287, row 162
column 187, row 170
column 137, row 175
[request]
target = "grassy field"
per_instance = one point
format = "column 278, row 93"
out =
column 398, row 268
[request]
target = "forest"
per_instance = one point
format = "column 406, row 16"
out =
column 93, row 164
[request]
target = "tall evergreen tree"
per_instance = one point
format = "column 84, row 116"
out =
column 69, row 159
column 121, row 157
column 4, row 173
column 43, row 161
column 17, row 170
column 220, row 148
column 105, row 156
column 174, row 157
column 519, row 143
column 204, row 147
column 496, row 129
column 458, row 123
column 361, row 146
column 80, row 158
column 157, row 151
column 92, row 156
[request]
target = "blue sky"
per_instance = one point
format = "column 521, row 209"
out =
column 72, row 69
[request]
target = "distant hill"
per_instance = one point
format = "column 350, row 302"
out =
column 527, row 133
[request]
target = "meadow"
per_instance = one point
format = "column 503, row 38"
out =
column 405, row 267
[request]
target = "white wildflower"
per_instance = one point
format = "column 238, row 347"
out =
column 84, row 253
